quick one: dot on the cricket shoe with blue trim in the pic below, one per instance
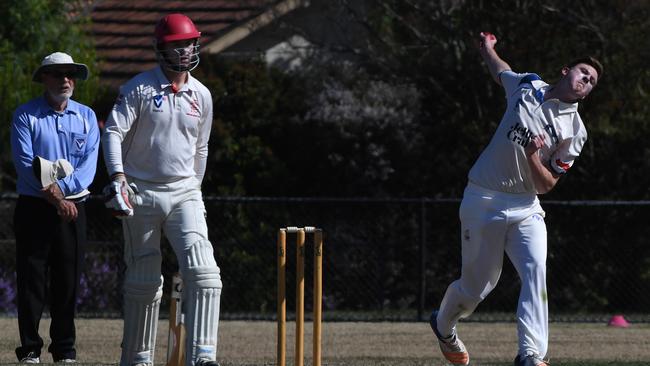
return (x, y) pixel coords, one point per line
(530, 360)
(452, 347)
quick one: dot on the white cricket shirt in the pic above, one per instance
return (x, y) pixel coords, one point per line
(156, 135)
(503, 166)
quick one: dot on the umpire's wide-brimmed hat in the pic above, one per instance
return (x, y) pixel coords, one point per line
(48, 172)
(58, 59)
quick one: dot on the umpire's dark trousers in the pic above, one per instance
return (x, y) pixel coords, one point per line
(48, 251)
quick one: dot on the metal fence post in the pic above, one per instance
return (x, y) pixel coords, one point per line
(423, 262)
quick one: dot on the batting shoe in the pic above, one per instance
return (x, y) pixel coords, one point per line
(452, 347)
(530, 360)
(206, 362)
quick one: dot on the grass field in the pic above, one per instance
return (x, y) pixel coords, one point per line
(357, 344)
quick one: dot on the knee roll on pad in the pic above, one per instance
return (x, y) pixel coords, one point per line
(142, 277)
(200, 270)
(199, 254)
(143, 292)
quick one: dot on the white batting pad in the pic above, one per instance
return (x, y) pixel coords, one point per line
(141, 306)
(203, 324)
(202, 294)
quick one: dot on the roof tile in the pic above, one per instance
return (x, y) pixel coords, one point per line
(123, 30)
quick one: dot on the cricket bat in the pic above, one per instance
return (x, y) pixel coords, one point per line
(176, 340)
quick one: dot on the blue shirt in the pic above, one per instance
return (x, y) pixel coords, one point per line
(73, 135)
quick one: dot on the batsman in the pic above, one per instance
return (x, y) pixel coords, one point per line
(155, 147)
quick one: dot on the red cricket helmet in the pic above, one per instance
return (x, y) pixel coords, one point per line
(176, 27)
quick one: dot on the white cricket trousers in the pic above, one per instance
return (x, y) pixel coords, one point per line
(493, 223)
(177, 210)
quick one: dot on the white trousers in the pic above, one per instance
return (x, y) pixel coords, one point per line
(177, 210)
(493, 223)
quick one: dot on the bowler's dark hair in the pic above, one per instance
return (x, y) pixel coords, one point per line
(589, 60)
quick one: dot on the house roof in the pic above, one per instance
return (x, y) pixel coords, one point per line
(123, 30)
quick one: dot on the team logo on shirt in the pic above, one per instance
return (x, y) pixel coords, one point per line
(80, 142)
(519, 134)
(157, 100)
(194, 109)
(522, 135)
(157, 103)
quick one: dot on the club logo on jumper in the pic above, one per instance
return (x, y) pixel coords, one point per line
(194, 109)
(80, 142)
(519, 134)
(158, 101)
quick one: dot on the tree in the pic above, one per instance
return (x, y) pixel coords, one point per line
(433, 46)
(32, 29)
(404, 105)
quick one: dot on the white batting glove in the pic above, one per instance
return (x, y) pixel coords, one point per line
(116, 198)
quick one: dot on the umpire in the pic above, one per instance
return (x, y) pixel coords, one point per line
(54, 143)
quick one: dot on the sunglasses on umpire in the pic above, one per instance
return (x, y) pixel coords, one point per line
(59, 74)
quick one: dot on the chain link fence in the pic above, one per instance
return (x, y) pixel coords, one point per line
(384, 259)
